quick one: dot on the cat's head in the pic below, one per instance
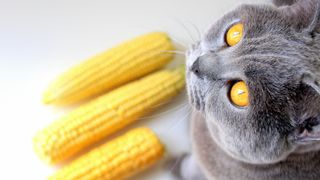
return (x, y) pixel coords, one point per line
(278, 59)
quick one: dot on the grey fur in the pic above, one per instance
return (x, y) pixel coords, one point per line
(283, 2)
(277, 135)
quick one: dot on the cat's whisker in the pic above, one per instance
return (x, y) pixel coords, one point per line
(179, 43)
(177, 162)
(175, 123)
(178, 52)
(163, 103)
(175, 52)
(178, 108)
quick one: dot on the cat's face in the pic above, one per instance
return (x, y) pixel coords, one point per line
(272, 58)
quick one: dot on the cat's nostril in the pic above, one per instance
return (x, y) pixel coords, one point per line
(195, 67)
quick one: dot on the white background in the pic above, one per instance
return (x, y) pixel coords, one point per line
(40, 39)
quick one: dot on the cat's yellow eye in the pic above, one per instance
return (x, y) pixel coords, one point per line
(239, 94)
(234, 34)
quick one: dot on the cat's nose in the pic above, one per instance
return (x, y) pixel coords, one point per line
(195, 68)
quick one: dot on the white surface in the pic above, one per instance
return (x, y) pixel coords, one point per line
(40, 39)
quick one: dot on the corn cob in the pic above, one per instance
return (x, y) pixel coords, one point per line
(118, 159)
(105, 115)
(110, 69)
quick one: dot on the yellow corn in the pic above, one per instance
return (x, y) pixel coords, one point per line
(111, 68)
(106, 115)
(118, 159)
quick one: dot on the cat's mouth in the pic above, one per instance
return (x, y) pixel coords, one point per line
(307, 131)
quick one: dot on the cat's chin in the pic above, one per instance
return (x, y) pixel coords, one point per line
(257, 159)
(301, 149)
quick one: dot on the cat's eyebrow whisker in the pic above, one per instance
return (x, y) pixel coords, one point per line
(197, 29)
(186, 30)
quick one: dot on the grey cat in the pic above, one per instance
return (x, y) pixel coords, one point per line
(277, 136)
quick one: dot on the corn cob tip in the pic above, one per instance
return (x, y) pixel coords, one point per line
(47, 97)
(39, 142)
(180, 69)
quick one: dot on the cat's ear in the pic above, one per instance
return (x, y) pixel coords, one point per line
(305, 14)
(308, 129)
